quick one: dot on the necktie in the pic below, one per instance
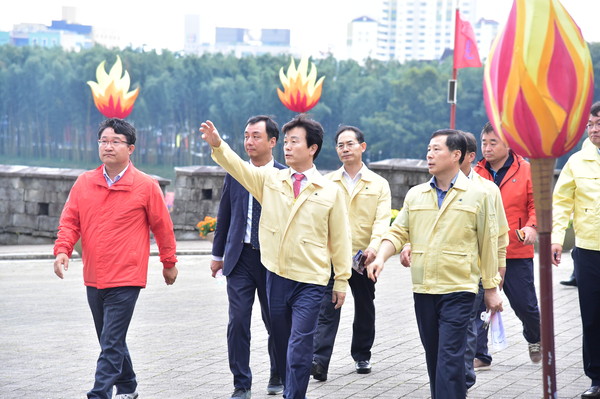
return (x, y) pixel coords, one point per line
(297, 183)
(254, 227)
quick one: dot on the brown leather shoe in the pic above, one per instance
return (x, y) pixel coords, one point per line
(535, 352)
(480, 365)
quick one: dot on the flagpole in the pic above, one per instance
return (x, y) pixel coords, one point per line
(454, 74)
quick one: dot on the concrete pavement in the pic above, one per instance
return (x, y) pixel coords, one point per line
(177, 339)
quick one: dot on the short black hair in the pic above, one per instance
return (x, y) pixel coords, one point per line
(270, 124)
(314, 131)
(360, 137)
(595, 111)
(487, 128)
(120, 126)
(454, 141)
(471, 141)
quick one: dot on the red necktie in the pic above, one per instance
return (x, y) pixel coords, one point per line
(297, 183)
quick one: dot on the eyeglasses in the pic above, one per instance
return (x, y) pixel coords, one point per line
(114, 143)
(592, 125)
(347, 145)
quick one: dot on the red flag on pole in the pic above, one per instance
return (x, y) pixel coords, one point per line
(465, 45)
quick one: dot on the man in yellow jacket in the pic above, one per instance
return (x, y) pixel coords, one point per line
(303, 232)
(577, 193)
(451, 224)
(369, 207)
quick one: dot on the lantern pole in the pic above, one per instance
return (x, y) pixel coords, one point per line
(452, 83)
(542, 174)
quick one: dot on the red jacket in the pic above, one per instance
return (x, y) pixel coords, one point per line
(114, 224)
(516, 189)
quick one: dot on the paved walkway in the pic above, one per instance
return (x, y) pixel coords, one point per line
(48, 346)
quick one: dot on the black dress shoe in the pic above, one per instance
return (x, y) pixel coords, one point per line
(275, 386)
(363, 367)
(571, 282)
(593, 392)
(318, 372)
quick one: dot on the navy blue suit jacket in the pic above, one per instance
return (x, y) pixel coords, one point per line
(231, 222)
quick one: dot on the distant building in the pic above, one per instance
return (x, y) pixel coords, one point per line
(106, 37)
(239, 41)
(193, 39)
(275, 37)
(419, 29)
(362, 38)
(65, 33)
(486, 31)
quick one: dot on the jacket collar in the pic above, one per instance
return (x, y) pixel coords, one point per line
(366, 174)
(314, 177)
(590, 153)
(124, 183)
(461, 183)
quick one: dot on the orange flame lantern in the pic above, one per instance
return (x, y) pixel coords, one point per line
(538, 81)
(110, 93)
(538, 89)
(302, 91)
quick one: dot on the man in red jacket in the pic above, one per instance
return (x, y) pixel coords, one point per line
(113, 208)
(512, 174)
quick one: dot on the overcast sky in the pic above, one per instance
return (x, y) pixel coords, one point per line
(317, 25)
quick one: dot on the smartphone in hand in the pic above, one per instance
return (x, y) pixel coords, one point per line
(358, 262)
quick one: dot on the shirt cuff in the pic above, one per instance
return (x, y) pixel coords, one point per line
(340, 286)
(491, 282)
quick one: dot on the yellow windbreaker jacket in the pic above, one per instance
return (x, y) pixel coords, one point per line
(449, 242)
(577, 192)
(369, 207)
(300, 238)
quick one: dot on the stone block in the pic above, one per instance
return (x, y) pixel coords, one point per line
(29, 239)
(48, 224)
(9, 193)
(21, 220)
(31, 208)
(55, 208)
(8, 239)
(38, 195)
(16, 207)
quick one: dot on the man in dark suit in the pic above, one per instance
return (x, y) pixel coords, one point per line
(236, 251)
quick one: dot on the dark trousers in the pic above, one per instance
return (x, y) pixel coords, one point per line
(248, 278)
(471, 347)
(443, 321)
(112, 309)
(520, 290)
(294, 309)
(587, 272)
(363, 327)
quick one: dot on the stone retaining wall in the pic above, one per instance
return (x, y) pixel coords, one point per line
(31, 200)
(197, 194)
(401, 174)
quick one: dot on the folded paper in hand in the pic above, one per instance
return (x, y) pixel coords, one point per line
(498, 337)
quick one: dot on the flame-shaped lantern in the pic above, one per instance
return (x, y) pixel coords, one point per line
(110, 93)
(302, 90)
(538, 80)
(538, 88)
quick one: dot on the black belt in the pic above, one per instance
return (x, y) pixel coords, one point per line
(250, 246)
